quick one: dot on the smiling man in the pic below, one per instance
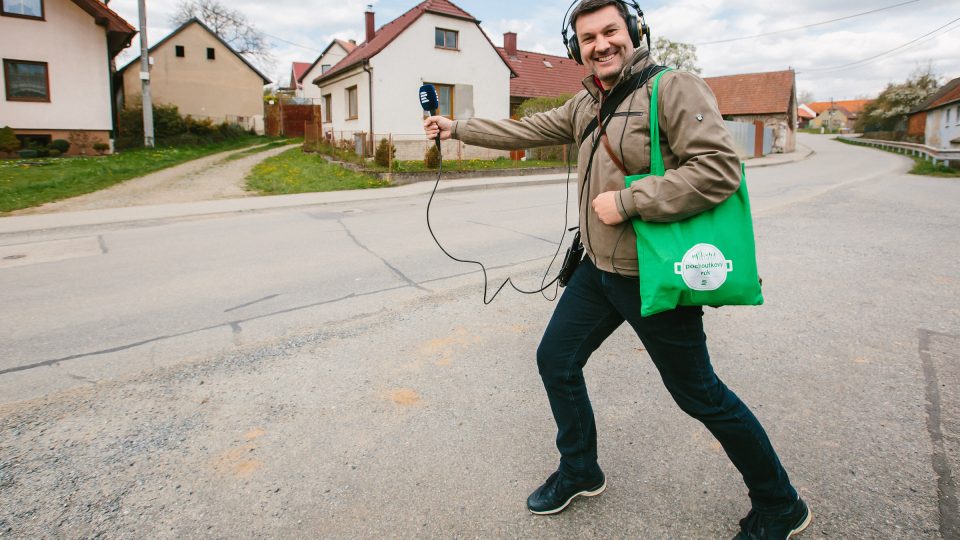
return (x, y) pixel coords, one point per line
(703, 170)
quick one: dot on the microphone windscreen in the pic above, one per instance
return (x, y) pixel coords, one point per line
(428, 98)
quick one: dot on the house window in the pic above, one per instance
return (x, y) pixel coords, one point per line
(445, 96)
(180, 53)
(948, 118)
(211, 54)
(352, 113)
(324, 68)
(327, 108)
(446, 39)
(26, 81)
(31, 9)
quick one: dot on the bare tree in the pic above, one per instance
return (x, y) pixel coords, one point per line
(676, 54)
(806, 97)
(231, 25)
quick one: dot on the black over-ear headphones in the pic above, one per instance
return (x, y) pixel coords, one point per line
(636, 27)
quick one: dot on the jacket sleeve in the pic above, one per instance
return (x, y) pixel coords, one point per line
(708, 170)
(541, 129)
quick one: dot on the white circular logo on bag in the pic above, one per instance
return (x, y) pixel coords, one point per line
(703, 268)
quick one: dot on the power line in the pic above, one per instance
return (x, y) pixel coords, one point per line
(874, 57)
(806, 25)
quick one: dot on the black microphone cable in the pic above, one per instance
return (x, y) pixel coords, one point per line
(483, 268)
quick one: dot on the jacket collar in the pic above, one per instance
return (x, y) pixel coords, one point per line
(639, 60)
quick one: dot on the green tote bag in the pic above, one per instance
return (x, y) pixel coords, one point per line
(705, 260)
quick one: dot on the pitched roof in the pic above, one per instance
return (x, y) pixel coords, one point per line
(119, 32)
(348, 46)
(212, 33)
(803, 111)
(543, 75)
(297, 72)
(753, 93)
(388, 32)
(947, 94)
(852, 106)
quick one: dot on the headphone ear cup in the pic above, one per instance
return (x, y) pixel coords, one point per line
(573, 50)
(635, 33)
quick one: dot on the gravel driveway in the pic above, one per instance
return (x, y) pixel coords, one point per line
(209, 178)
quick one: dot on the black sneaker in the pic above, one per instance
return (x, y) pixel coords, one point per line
(757, 526)
(557, 492)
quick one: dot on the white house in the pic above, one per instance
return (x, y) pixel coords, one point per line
(943, 117)
(374, 89)
(57, 69)
(336, 51)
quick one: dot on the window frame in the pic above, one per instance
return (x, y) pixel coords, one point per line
(42, 17)
(453, 99)
(356, 102)
(327, 108)
(6, 80)
(446, 32)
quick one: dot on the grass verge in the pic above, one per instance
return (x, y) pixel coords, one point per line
(27, 183)
(257, 149)
(921, 166)
(296, 172)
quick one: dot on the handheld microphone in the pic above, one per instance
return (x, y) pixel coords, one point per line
(430, 103)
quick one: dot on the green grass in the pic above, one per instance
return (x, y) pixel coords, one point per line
(920, 165)
(466, 165)
(269, 146)
(296, 172)
(24, 184)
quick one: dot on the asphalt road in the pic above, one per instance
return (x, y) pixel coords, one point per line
(324, 371)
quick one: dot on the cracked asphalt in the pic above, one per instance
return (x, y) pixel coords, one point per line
(323, 371)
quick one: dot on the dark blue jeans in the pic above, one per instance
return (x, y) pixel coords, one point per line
(593, 305)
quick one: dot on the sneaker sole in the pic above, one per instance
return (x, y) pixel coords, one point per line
(802, 526)
(587, 493)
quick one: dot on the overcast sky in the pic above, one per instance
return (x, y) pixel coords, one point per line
(299, 30)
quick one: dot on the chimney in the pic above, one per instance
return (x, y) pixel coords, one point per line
(371, 28)
(510, 43)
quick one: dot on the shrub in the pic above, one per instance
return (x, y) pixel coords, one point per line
(101, 147)
(53, 152)
(9, 143)
(27, 153)
(385, 153)
(432, 158)
(82, 140)
(60, 145)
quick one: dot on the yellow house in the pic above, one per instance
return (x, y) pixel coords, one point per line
(204, 77)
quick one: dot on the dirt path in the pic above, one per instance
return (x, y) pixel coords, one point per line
(209, 178)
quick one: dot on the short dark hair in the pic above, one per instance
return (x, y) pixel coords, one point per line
(589, 6)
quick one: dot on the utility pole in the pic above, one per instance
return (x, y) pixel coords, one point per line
(145, 78)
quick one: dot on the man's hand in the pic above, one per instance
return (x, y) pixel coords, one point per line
(605, 205)
(438, 124)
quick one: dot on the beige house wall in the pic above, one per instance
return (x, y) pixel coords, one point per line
(75, 50)
(222, 89)
(335, 54)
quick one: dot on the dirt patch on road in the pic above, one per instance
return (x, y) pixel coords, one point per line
(209, 178)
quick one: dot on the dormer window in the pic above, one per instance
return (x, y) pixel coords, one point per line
(446, 39)
(30, 9)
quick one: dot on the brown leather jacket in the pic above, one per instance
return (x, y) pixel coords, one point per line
(703, 168)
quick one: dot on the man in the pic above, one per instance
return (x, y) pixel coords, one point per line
(702, 171)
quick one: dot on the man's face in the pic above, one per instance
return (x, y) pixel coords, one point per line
(604, 43)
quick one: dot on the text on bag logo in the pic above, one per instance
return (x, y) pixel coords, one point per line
(703, 268)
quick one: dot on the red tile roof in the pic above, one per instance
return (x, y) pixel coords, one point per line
(297, 72)
(119, 31)
(853, 106)
(753, 93)
(949, 93)
(536, 79)
(388, 32)
(805, 112)
(348, 46)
